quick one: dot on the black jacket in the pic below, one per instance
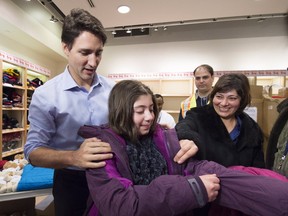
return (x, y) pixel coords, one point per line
(204, 126)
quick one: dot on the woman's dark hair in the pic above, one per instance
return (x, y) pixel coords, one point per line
(237, 81)
(78, 21)
(121, 107)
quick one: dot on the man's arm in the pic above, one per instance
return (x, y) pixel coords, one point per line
(91, 154)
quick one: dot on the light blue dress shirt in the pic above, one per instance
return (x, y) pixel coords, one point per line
(59, 107)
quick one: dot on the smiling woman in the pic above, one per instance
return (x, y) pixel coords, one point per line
(231, 96)
(225, 105)
(221, 130)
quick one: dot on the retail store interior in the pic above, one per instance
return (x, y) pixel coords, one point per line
(157, 42)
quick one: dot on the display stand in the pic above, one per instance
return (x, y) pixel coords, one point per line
(23, 201)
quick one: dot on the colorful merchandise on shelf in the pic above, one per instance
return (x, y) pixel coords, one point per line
(11, 76)
(19, 80)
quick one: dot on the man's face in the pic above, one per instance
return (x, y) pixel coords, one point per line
(203, 80)
(84, 57)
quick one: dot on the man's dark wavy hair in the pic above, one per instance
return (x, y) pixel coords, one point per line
(80, 20)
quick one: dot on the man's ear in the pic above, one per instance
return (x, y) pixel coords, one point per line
(65, 49)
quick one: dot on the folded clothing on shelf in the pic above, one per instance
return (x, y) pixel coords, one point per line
(34, 83)
(9, 122)
(12, 76)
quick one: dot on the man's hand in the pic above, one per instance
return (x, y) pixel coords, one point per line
(92, 154)
(212, 185)
(188, 149)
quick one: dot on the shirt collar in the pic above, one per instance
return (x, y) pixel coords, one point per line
(197, 95)
(70, 82)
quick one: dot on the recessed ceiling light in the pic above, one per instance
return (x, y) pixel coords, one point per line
(123, 9)
(53, 19)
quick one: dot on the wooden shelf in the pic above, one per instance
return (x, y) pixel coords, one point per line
(12, 152)
(13, 130)
(13, 108)
(12, 86)
(18, 113)
(174, 91)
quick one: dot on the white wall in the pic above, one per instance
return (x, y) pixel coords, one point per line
(20, 51)
(225, 46)
(229, 54)
(13, 22)
(237, 45)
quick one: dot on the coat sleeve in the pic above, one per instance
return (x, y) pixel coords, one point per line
(187, 128)
(165, 195)
(251, 194)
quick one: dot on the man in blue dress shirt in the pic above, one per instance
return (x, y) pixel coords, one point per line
(58, 108)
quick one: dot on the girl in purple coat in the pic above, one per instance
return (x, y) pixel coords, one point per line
(143, 179)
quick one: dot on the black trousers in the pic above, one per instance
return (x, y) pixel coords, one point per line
(70, 192)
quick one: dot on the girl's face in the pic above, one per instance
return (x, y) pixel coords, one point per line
(143, 114)
(226, 104)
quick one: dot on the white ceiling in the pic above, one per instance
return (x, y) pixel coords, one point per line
(142, 12)
(160, 11)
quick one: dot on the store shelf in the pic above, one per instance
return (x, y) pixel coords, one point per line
(13, 130)
(12, 152)
(174, 91)
(15, 92)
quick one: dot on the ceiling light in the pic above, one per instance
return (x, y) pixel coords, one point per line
(113, 32)
(123, 9)
(128, 31)
(53, 19)
(164, 28)
(155, 29)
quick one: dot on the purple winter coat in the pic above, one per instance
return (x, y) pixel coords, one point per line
(113, 192)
